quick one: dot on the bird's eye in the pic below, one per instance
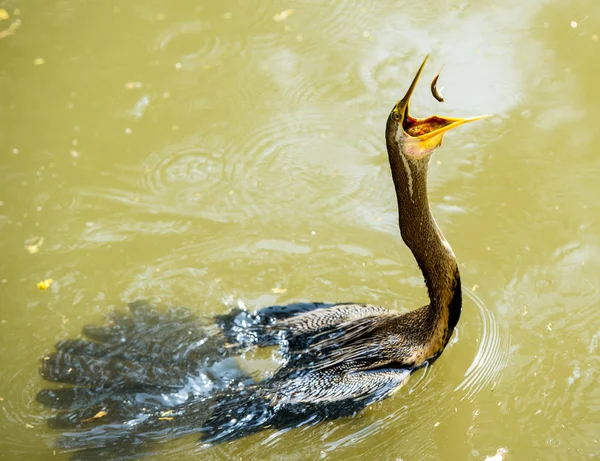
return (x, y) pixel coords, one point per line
(396, 116)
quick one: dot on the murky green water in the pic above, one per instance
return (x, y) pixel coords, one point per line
(209, 154)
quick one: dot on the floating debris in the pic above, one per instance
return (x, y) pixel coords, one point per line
(277, 290)
(33, 244)
(10, 29)
(45, 284)
(140, 107)
(574, 24)
(133, 85)
(100, 414)
(38, 61)
(283, 15)
(474, 289)
(501, 454)
(3, 14)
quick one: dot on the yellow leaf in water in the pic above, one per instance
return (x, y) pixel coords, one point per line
(100, 414)
(283, 15)
(44, 284)
(3, 14)
(165, 419)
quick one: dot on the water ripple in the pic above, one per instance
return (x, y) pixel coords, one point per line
(492, 354)
(193, 167)
(194, 44)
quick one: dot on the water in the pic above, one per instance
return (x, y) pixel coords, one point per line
(212, 155)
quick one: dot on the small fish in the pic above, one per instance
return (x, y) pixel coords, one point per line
(434, 91)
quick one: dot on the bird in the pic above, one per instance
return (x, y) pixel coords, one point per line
(338, 357)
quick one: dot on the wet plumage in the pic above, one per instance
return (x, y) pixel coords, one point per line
(151, 374)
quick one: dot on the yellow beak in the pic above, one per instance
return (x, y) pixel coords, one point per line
(421, 136)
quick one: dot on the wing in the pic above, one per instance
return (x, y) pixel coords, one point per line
(334, 385)
(289, 400)
(324, 318)
(274, 325)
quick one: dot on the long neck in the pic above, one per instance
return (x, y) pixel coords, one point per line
(427, 243)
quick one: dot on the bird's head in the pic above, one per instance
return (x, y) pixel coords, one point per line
(416, 138)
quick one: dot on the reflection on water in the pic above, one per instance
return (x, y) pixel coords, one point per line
(232, 154)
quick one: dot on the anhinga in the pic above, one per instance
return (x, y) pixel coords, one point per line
(339, 357)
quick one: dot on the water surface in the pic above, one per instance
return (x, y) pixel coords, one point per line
(213, 155)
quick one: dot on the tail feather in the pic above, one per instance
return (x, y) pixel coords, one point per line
(142, 377)
(116, 423)
(139, 349)
(70, 398)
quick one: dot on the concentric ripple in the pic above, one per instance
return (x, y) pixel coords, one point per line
(343, 22)
(193, 167)
(194, 44)
(492, 354)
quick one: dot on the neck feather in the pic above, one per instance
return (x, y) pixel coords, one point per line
(427, 243)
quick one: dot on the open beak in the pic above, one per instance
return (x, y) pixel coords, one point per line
(422, 135)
